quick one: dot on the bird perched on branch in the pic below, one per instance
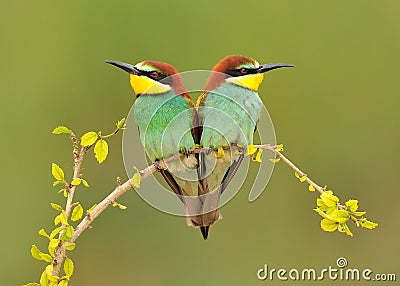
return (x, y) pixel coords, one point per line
(166, 118)
(229, 110)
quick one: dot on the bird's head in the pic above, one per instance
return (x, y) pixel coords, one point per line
(150, 77)
(241, 71)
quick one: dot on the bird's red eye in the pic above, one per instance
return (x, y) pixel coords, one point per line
(154, 74)
(243, 71)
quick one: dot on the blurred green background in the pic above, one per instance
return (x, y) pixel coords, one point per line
(336, 113)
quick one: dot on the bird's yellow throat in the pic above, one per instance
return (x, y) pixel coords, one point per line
(251, 81)
(143, 84)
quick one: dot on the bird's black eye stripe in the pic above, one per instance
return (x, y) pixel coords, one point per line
(155, 75)
(241, 71)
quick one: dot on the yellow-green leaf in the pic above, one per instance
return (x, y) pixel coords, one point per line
(68, 267)
(276, 160)
(136, 180)
(279, 148)
(121, 124)
(66, 236)
(56, 231)
(359, 213)
(251, 149)
(46, 257)
(352, 205)
(101, 150)
(32, 284)
(70, 246)
(49, 272)
(92, 208)
(89, 138)
(76, 181)
(77, 213)
(55, 183)
(43, 279)
(258, 156)
(61, 130)
(42, 232)
(53, 244)
(311, 188)
(329, 225)
(221, 152)
(36, 253)
(341, 216)
(344, 228)
(56, 207)
(85, 183)
(303, 179)
(57, 172)
(61, 218)
(368, 224)
(329, 199)
(121, 207)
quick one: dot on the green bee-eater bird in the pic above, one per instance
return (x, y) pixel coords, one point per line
(229, 110)
(166, 118)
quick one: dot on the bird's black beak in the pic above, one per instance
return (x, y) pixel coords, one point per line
(126, 67)
(270, 67)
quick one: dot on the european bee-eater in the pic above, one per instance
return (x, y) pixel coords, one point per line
(166, 117)
(229, 110)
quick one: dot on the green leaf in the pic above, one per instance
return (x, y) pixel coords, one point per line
(76, 181)
(329, 199)
(77, 213)
(367, 224)
(101, 150)
(340, 216)
(344, 228)
(329, 225)
(61, 130)
(42, 232)
(121, 123)
(64, 191)
(53, 244)
(68, 267)
(279, 148)
(136, 180)
(85, 183)
(359, 213)
(57, 172)
(43, 279)
(251, 149)
(70, 246)
(55, 183)
(352, 205)
(49, 272)
(258, 156)
(61, 218)
(46, 257)
(36, 253)
(56, 207)
(121, 207)
(91, 208)
(56, 231)
(66, 236)
(89, 138)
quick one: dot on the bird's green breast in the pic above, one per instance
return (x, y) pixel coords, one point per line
(165, 122)
(230, 114)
